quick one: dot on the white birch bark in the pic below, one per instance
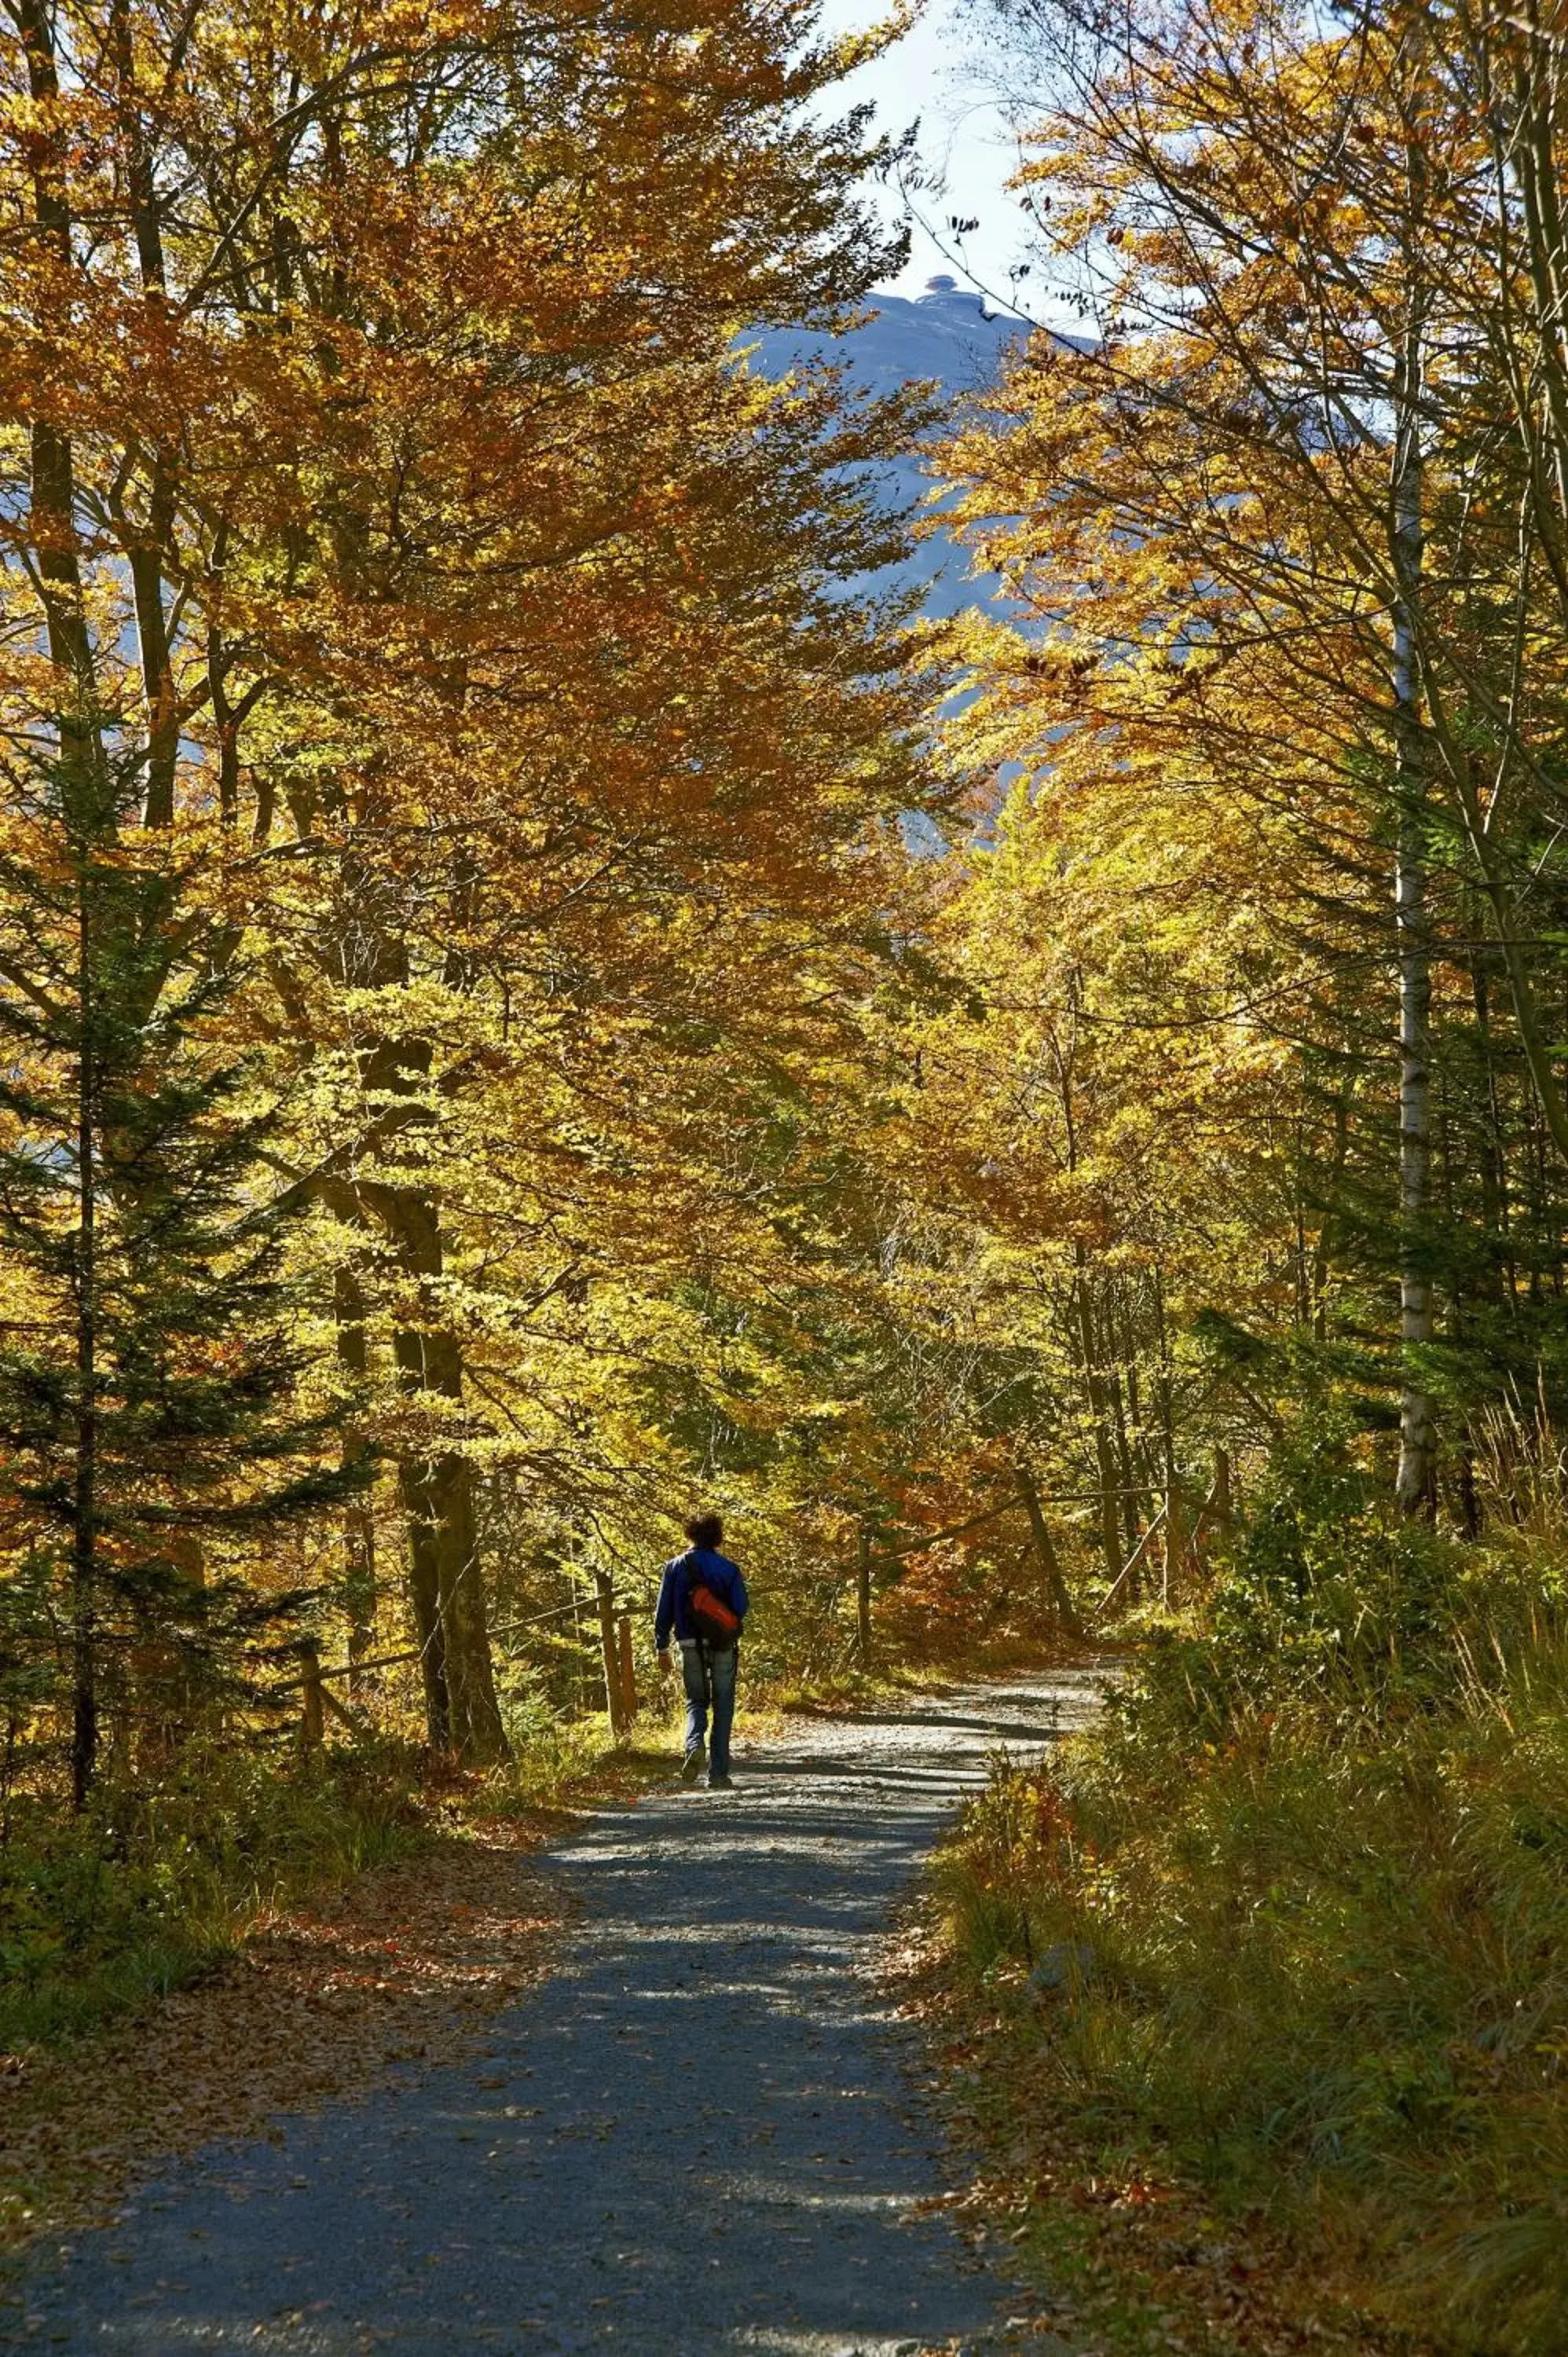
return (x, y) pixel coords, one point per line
(1416, 1485)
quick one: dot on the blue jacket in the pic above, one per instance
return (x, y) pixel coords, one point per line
(716, 1572)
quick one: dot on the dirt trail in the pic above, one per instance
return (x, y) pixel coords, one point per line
(701, 2136)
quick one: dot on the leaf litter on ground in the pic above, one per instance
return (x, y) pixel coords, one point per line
(406, 1962)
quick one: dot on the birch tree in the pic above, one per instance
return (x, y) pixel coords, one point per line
(1266, 543)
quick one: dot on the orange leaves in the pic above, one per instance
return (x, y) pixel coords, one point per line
(543, 785)
(317, 2001)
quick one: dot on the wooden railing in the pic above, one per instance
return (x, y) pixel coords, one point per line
(315, 1679)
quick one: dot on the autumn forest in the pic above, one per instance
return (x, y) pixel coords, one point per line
(538, 991)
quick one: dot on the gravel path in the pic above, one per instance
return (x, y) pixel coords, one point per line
(701, 2136)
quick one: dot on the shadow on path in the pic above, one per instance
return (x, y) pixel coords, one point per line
(699, 2136)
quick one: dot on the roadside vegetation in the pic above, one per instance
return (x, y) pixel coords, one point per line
(1271, 956)
(1291, 1926)
(161, 1882)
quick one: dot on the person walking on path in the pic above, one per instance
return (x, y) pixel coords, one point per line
(702, 1602)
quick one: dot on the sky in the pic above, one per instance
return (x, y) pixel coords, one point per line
(934, 74)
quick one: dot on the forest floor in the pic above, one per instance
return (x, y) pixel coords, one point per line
(402, 1962)
(648, 2092)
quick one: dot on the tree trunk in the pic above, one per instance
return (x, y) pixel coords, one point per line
(1221, 1510)
(421, 1510)
(439, 1494)
(1165, 1385)
(146, 546)
(1046, 1553)
(627, 1663)
(1416, 1484)
(84, 1535)
(1175, 1557)
(1126, 1472)
(1083, 1319)
(359, 1514)
(435, 1485)
(52, 525)
(609, 1653)
(52, 493)
(1104, 1452)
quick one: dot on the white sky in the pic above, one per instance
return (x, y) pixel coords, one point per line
(934, 73)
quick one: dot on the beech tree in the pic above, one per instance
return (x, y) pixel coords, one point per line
(1275, 581)
(384, 448)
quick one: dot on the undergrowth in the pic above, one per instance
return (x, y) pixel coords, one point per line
(1295, 1916)
(159, 1880)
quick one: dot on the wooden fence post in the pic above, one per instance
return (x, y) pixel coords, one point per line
(627, 1667)
(1224, 1513)
(613, 1702)
(863, 1599)
(312, 1725)
(1175, 1540)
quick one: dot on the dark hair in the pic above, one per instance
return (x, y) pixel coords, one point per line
(705, 1530)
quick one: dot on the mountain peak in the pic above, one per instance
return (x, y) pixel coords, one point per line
(943, 335)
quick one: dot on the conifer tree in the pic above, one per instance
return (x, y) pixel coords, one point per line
(150, 1360)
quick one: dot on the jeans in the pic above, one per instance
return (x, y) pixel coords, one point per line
(709, 1681)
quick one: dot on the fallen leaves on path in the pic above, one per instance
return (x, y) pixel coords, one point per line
(406, 1962)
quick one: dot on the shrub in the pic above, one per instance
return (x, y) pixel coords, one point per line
(157, 1880)
(1319, 1857)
